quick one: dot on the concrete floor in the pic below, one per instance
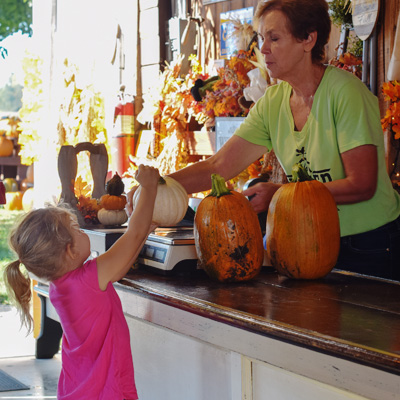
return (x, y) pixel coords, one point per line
(17, 358)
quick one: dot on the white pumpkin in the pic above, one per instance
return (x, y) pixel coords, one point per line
(171, 202)
(112, 217)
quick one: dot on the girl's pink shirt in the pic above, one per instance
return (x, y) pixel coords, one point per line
(96, 353)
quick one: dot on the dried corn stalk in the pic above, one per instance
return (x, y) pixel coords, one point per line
(174, 154)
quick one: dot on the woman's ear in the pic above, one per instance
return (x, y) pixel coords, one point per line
(309, 43)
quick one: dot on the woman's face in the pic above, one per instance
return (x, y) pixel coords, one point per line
(283, 53)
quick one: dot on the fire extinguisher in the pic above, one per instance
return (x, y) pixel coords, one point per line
(123, 138)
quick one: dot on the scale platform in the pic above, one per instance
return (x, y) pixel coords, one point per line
(168, 250)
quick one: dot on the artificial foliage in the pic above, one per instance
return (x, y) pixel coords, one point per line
(349, 62)
(87, 206)
(81, 116)
(31, 112)
(169, 108)
(223, 99)
(391, 124)
(391, 120)
(82, 111)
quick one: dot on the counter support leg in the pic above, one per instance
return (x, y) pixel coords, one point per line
(48, 341)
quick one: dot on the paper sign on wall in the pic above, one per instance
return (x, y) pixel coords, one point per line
(229, 43)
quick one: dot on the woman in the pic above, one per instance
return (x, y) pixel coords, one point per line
(325, 118)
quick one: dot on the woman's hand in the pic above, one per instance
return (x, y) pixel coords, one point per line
(260, 195)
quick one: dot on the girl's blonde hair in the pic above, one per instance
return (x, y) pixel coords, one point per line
(40, 241)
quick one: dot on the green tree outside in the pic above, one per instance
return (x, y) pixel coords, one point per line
(15, 16)
(11, 96)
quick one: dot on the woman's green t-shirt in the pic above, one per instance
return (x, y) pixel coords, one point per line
(344, 115)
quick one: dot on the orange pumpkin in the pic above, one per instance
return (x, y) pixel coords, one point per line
(111, 202)
(227, 235)
(302, 230)
(6, 147)
(14, 201)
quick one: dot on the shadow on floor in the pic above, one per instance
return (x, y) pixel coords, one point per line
(17, 358)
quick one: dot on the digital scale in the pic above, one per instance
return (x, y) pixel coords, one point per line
(167, 250)
(170, 249)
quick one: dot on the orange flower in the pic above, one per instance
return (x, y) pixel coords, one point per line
(350, 59)
(391, 120)
(391, 91)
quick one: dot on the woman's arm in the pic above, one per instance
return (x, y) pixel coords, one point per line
(236, 155)
(116, 262)
(361, 169)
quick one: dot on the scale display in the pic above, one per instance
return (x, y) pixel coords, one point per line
(169, 248)
(154, 253)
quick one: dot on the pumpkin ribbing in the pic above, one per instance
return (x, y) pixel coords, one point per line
(171, 202)
(227, 235)
(302, 231)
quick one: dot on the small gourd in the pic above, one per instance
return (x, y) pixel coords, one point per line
(302, 230)
(114, 199)
(112, 204)
(6, 147)
(112, 217)
(227, 235)
(115, 186)
(171, 202)
(13, 201)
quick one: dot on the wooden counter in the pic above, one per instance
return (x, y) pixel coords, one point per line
(272, 338)
(334, 338)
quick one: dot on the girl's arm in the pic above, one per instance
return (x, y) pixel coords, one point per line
(116, 262)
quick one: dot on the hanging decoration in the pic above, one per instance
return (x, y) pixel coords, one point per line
(394, 64)
(391, 124)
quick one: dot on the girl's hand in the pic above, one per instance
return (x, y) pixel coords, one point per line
(129, 197)
(147, 176)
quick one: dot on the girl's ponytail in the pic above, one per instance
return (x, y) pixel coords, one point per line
(19, 285)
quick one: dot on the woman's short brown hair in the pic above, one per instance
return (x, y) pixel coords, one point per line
(304, 16)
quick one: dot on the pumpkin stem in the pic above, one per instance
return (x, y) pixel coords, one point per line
(300, 174)
(219, 187)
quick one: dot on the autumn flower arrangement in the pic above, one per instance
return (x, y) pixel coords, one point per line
(170, 107)
(391, 122)
(349, 62)
(223, 99)
(86, 205)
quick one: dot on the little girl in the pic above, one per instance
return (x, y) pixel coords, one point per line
(96, 354)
